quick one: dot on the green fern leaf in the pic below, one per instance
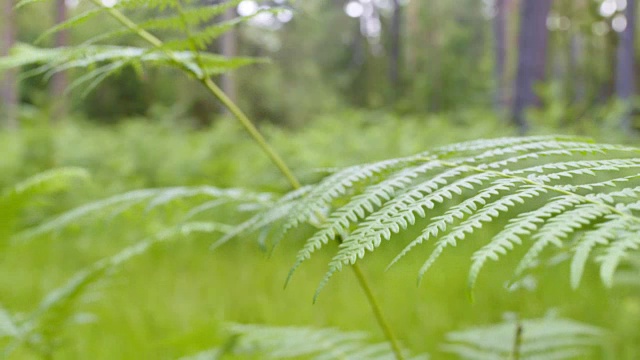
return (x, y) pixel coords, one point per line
(560, 191)
(156, 197)
(54, 310)
(289, 342)
(545, 338)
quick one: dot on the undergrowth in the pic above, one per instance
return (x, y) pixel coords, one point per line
(542, 199)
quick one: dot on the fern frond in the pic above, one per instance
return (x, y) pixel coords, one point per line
(521, 226)
(187, 29)
(45, 182)
(560, 191)
(8, 327)
(485, 214)
(560, 228)
(274, 213)
(319, 198)
(69, 23)
(280, 342)
(191, 17)
(17, 197)
(626, 240)
(57, 307)
(155, 197)
(110, 58)
(545, 338)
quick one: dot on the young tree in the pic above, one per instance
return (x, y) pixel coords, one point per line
(8, 83)
(532, 54)
(625, 73)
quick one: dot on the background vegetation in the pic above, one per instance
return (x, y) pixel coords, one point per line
(347, 82)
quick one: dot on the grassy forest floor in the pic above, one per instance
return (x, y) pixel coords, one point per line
(173, 301)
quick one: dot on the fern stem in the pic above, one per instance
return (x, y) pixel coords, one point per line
(252, 130)
(214, 90)
(124, 20)
(375, 307)
(205, 80)
(517, 342)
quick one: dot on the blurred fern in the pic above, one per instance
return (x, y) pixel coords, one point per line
(41, 330)
(565, 193)
(549, 338)
(14, 199)
(554, 192)
(203, 198)
(280, 342)
(187, 28)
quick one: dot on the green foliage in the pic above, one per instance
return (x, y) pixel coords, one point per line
(536, 192)
(138, 155)
(14, 199)
(549, 338)
(188, 32)
(208, 198)
(108, 60)
(551, 192)
(41, 330)
(278, 342)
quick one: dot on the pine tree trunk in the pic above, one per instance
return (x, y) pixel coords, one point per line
(625, 74)
(394, 56)
(59, 81)
(500, 48)
(532, 54)
(229, 48)
(8, 81)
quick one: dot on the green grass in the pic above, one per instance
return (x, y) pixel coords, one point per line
(175, 300)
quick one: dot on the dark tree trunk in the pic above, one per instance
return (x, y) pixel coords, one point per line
(413, 33)
(500, 48)
(59, 81)
(229, 48)
(532, 54)
(625, 75)
(394, 58)
(8, 81)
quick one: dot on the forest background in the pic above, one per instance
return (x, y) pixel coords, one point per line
(339, 82)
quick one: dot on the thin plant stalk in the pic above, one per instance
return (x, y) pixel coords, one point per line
(517, 342)
(268, 150)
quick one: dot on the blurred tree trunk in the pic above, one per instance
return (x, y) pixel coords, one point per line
(8, 81)
(413, 32)
(625, 73)
(500, 47)
(229, 48)
(59, 80)
(532, 54)
(394, 56)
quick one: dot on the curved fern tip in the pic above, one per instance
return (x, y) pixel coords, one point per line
(289, 276)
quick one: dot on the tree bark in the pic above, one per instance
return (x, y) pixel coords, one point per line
(395, 46)
(500, 48)
(532, 54)
(625, 74)
(413, 33)
(8, 80)
(59, 81)
(229, 48)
